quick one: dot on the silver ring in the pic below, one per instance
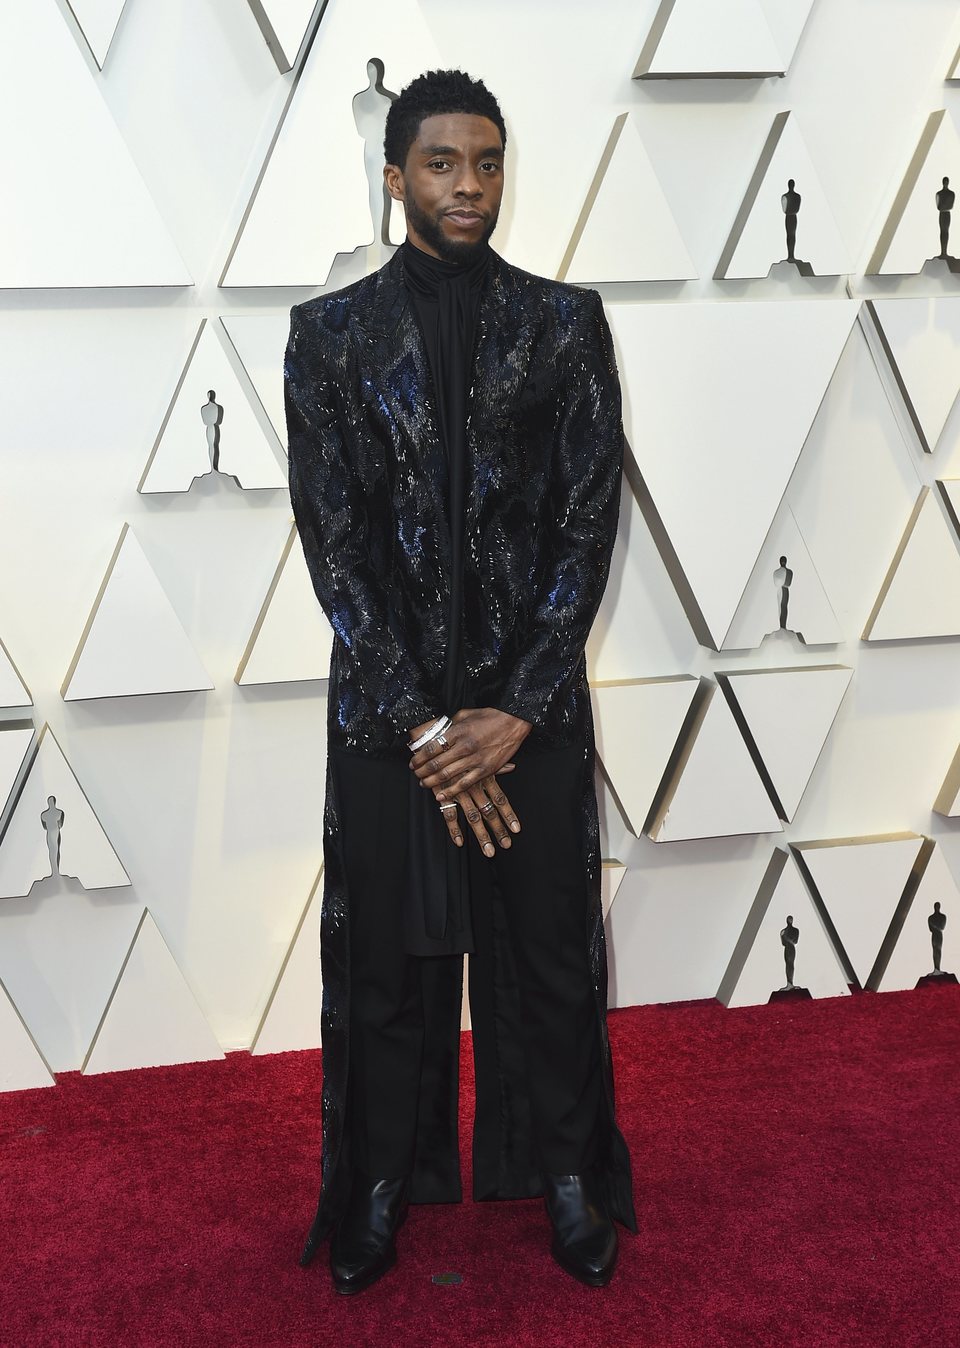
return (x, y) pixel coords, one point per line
(442, 741)
(448, 805)
(485, 809)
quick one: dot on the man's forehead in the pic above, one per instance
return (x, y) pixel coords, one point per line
(452, 130)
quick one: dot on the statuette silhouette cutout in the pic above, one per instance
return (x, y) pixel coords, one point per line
(790, 203)
(789, 939)
(211, 414)
(790, 936)
(52, 820)
(946, 197)
(783, 577)
(937, 924)
(370, 108)
(783, 580)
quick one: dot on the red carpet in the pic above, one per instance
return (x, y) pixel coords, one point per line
(795, 1176)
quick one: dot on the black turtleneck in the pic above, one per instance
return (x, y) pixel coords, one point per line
(446, 300)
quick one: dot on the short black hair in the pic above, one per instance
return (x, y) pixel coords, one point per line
(433, 92)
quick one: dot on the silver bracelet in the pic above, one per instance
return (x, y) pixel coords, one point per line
(438, 727)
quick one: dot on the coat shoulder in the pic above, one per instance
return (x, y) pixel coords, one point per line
(558, 299)
(328, 316)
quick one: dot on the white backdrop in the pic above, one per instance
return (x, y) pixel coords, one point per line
(212, 800)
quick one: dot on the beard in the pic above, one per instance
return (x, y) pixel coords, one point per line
(429, 228)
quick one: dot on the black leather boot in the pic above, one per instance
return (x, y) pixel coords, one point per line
(362, 1248)
(584, 1237)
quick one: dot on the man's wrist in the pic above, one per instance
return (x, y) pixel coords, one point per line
(433, 730)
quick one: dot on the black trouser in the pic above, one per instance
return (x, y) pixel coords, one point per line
(543, 882)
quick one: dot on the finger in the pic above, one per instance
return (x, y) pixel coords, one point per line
(499, 798)
(451, 817)
(453, 777)
(490, 813)
(475, 820)
(424, 757)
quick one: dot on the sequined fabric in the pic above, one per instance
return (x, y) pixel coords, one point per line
(367, 477)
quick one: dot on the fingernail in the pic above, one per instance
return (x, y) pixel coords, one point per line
(504, 842)
(488, 849)
(440, 795)
(515, 826)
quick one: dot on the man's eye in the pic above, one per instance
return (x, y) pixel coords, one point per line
(491, 164)
(438, 163)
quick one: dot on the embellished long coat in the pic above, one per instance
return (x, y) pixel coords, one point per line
(367, 477)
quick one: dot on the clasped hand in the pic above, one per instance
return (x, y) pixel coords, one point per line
(479, 745)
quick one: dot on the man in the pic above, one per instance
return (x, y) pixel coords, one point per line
(455, 443)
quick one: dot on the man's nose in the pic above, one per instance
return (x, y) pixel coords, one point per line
(468, 184)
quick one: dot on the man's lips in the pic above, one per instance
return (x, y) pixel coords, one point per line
(465, 217)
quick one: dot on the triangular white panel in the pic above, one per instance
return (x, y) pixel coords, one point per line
(59, 957)
(921, 337)
(920, 596)
(788, 714)
(259, 341)
(30, 842)
(133, 642)
(758, 240)
(291, 639)
(757, 967)
(783, 597)
(626, 230)
(912, 956)
(911, 235)
(16, 737)
(860, 882)
(640, 627)
(210, 403)
(290, 234)
(954, 72)
(291, 1019)
(13, 691)
(152, 1018)
(715, 790)
(690, 38)
(76, 211)
(947, 802)
(611, 877)
(638, 723)
(22, 1065)
(716, 465)
(98, 21)
(284, 24)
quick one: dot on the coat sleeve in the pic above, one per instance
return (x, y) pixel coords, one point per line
(585, 495)
(329, 507)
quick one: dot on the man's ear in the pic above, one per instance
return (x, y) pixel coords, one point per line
(393, 177)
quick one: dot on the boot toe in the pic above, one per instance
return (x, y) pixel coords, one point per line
(355, 1270)
(592, 1260)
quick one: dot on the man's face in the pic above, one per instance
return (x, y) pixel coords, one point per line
(451, 184)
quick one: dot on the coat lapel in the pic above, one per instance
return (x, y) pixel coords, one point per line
(505, 341)
(400, 388)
